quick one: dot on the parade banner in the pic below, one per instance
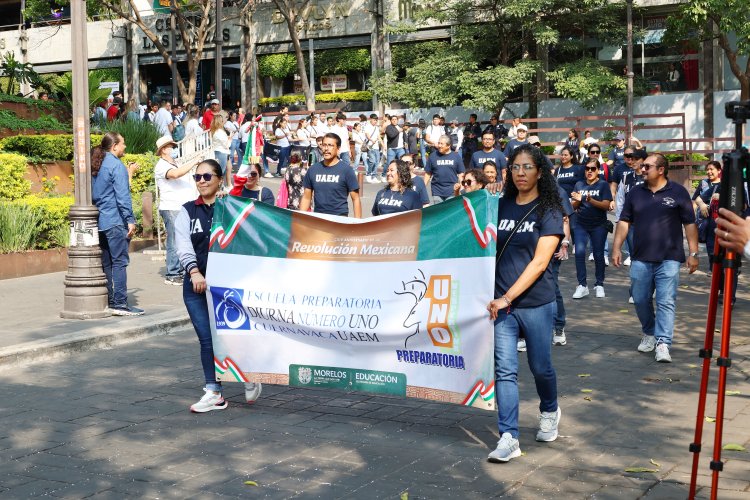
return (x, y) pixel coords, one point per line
(389, 305)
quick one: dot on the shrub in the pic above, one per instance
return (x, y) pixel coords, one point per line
(53, 219)
(45, 147)
(140, 137)
(363, 95)
(37, 103)
(9, 120)
(143, 178)
(18, 227)
(12, 182)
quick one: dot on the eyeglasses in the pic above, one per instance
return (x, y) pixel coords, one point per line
(594, 152)
(646, 166)
(253, 175)
(526, 167)
(467, 182)
(205, 177)
(592, 169)
(629, 156)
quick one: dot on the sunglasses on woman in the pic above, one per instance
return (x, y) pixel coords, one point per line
(594, 152)
(205, 177)
(592, 169)
(467, 182)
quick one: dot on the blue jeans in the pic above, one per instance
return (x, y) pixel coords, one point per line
(423, 152)
(393, 154)
(345, 156)
(173, 262)
(284, 155)
(359, 156)
(115, 260)
(234, 147)
(222, 158)
(536, 325)
(629, 241)
(560, 313)
(598, 236)
(197, 308)
(373, 159)
(664, 277)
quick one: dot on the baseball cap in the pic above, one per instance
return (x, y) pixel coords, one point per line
(620, 136)
(214, 101)
(640, 154)
(522, 127)
(534, 139)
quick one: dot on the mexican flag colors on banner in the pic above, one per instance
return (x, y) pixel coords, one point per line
(390, 305)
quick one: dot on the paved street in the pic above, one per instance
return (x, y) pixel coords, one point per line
(114, 423)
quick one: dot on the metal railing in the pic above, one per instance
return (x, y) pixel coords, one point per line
(194, 148)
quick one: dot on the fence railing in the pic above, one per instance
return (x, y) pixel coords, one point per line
(194, 148)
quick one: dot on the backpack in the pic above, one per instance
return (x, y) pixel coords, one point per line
(178, 133)
(454, 142)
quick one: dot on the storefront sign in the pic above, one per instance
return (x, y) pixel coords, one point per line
(333, 82)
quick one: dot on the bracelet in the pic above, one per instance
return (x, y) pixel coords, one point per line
(507, 301)
(566, 243)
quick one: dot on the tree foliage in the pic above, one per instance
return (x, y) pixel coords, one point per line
(699, 20)
(277, 65)
(16, 72)
(36, 10)
(342, 61)
(587, 82)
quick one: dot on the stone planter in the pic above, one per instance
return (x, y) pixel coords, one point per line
(62, 169)
(33, 262)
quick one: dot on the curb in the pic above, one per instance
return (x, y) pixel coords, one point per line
(101, 337)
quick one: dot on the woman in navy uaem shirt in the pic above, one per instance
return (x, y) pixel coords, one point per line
(529, 230)
(399, 195)
(591, 198)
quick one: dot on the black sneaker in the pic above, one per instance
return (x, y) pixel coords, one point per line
(127, 311)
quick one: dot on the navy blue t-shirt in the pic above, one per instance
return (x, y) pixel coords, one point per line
(567, 178)
(588, 215)
(421, 189)
(631, 179)
(520, 250)
(331, 187)
(618, 172)
(567, 207)
(388, 202)
(264, 195)
(478, 159)
(706, 191)
(617, 155)
(657, 220)
(513, 144)
(444, 170)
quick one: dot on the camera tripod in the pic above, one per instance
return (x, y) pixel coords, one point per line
(731, 197)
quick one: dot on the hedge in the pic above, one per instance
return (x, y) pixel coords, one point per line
(9, 120)
(53, 228)
(37, 103)
(13, 185)
(44, 147)
(143, 178)
(362, 95)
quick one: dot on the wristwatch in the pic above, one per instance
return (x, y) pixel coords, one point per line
(693, 254)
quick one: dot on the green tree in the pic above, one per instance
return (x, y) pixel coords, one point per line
(516, 42)
(700, 20)
(64, 87)
(16, 72)
(588, 82)
(277, 66)
(291, 11)
(343, 61)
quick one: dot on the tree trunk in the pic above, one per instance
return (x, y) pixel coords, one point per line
(301, 70)
(248, 65)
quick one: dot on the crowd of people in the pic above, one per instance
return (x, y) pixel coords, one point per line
(546, 213)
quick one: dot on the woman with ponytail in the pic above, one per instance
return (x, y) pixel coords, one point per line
(111, 195)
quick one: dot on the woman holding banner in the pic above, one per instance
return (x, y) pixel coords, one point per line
(529, 229)
(193, 234)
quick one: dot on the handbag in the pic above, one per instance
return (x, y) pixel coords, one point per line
(702, 224)
(610, 226)
(282, 199)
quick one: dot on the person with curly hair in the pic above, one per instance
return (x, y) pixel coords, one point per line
(530, 227)
(473, 180)
(398, 196)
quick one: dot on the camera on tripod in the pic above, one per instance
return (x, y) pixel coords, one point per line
(736, 162)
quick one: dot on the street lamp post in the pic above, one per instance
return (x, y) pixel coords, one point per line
(85, 283)
(219, 42)
(630, 74)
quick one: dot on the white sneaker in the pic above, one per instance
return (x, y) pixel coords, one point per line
(591, 256)
(558, 338)
(599, 291)
(252, 391)
(662, 353)
(507, 448)
(268, 175)
(210, 401)
(626, 262)
(606, 260)
(648, 343)
(631, 301)
(371, 180)
(581, 292)
(521, 345)
(548, 422)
